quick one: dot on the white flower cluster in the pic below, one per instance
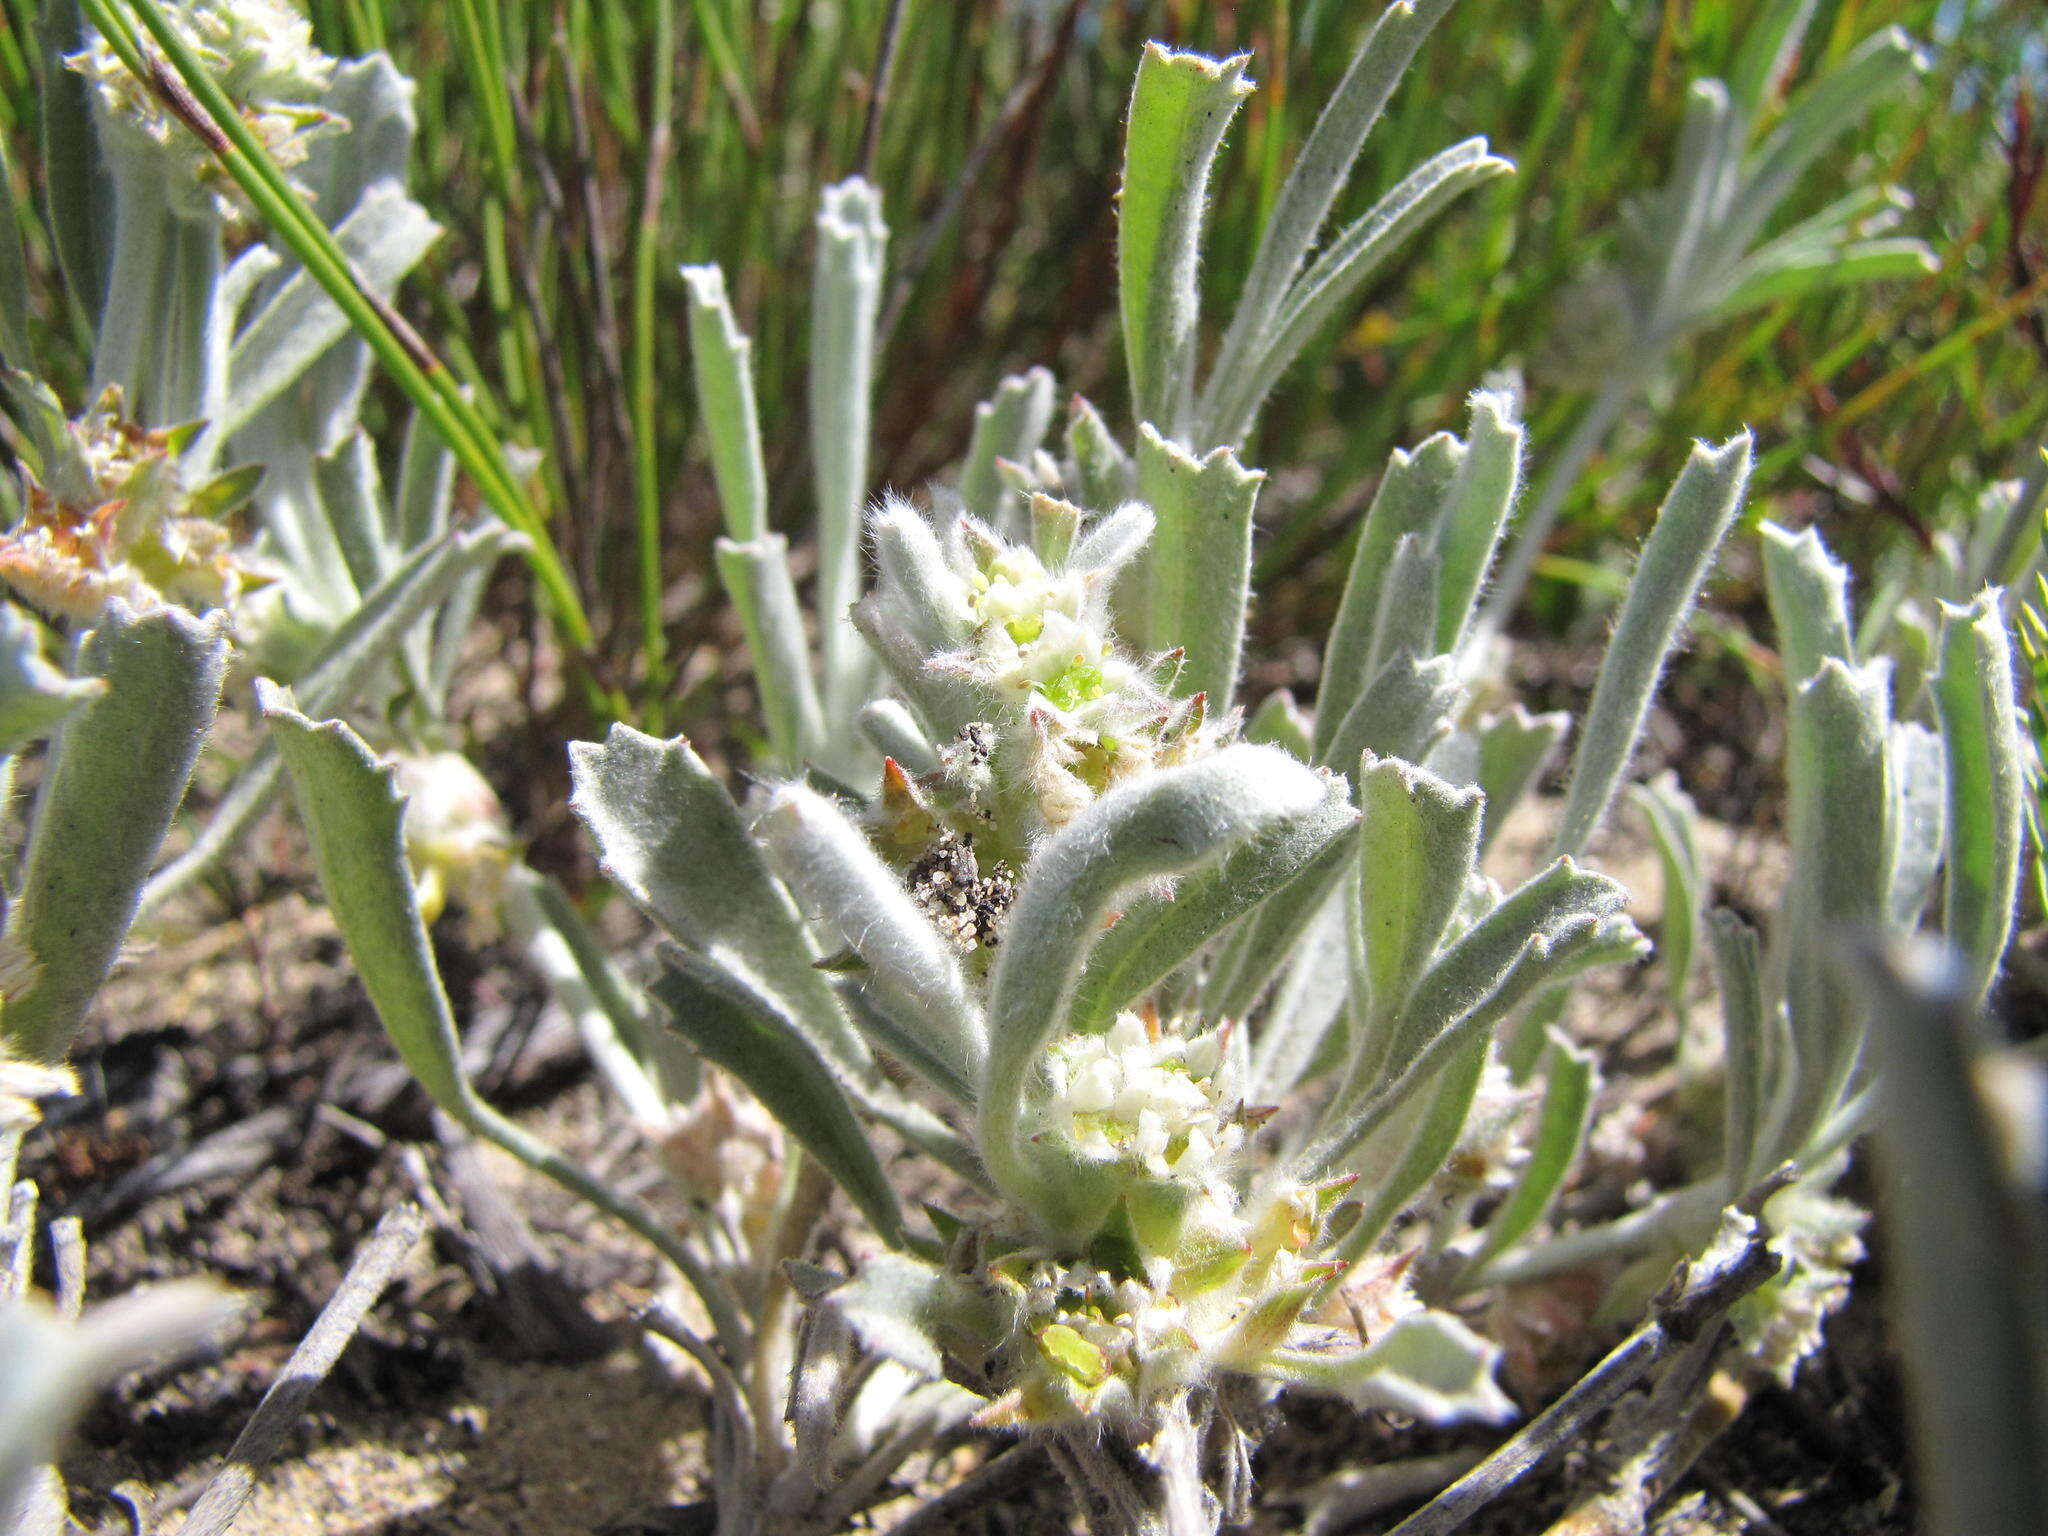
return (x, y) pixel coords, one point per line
(1040, 637)
(261, 53)
(1012, 658)
(1147, 1096)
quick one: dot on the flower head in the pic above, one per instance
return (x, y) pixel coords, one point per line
(109, 515)
(260, 53)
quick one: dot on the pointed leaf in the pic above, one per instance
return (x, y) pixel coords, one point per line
(1180, 107)
(1409, 705)
(383, 236)
(1514, 750)
(1480, 502)
(1964, 1257)
(1689, 528)
(339, 671)
(1010, 426)
(846, 296)
(1674, 827)
(1319, 175)
(1410, 498)
(1100, 474)
(1746, 1031)
(1809, 595)
(1241, 382)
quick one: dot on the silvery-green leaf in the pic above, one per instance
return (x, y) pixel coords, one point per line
(1406, 708)
(375, 101)
(1514, 750)
(114, 781)
(15, 342)
(353, 493)
(1770, 44)
(354, 814)
(1770, 276)
(1100, 474)
(1199, 567)
(1809, 596)
(383, 236)
(1417, 844)
(134, 275)
(1157, 934)
(756, 575)
(1055, 524)
(916, 582)
(1481, 499)
(1260, 945)
(1689, 528)
(891, 1035)
(647, 1066)
(747, 1032)
(1113, 541)
(426, 485)
(1405, 621)
(1818, 115)
(722, 357)
(1009, 426)
(1973, 692)
(672, 838)
(1964, 1258)
(1180, 107)
(80, 191)
(1569, 1081)
(1410, 498)
(1427, 1364)
(1529, 924)
(1555, 925)
(913, 975)
(1688, 210)
(846, 295)
(35, 696)
(1167, 823)
(1842, 852)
